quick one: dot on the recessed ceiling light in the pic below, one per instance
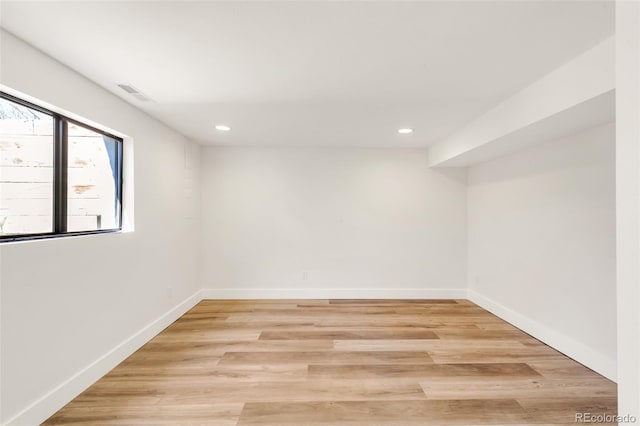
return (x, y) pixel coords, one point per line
(223, 128)
(405, 131)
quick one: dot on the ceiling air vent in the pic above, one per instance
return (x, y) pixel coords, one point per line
(134, 92)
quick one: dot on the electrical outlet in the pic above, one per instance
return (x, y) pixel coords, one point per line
(305, 275)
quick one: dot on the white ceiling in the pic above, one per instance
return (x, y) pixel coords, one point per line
(313, 73)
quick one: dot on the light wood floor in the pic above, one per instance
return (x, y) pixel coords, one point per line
(342, 362)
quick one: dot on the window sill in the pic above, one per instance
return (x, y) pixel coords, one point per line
(43, 237)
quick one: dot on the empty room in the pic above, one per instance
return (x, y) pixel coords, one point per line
(319, 212)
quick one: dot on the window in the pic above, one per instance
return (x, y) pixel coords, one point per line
(93, 176)
(57, 176)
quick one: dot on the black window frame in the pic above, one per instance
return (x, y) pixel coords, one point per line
(60, 174)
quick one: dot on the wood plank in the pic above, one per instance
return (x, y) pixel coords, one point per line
(416, 371)
(553, 410)
(563, 367)
(354, 334)
(168, 373)
(363, 321)
(514, 387)
(211, 414)
(473, 354)
(426, 345)
(514, 333)
(219, 348)
(469, 412)
(206, 335)
(342, 327)
(358, 319)
(201, 390)
(392, 301)
(326, 357)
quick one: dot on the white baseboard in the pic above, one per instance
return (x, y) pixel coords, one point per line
(568, 346)
(333, 293)
(51, 402)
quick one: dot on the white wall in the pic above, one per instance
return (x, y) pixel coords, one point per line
(359, 222)
(66, 303)
(541, 227)
(628, 204)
